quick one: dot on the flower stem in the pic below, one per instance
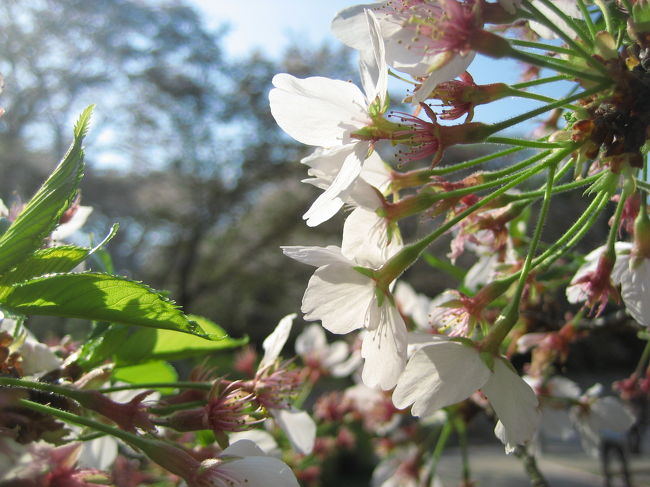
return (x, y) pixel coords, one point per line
(465, 165)
(538, 111)
(530, 465)
(574, 234)
(533, 144)
(609, 25)
(540, 81)
(539, 45)
(584, 36)
(40, 386)
(125, 436)
(406, 257)
(557, 189)
(461, 429)
(645, 355)
(205, 386)
(587, 18)
(445, 432)
(554, 64)
(613, 230)
(509, 318)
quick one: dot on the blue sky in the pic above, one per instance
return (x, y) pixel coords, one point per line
(270, 24)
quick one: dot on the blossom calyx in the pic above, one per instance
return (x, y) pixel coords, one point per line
(461, 96)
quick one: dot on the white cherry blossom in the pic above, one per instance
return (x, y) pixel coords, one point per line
(445, 372)
(325, 113)
(344, 299)
(633, 275)
(426, 48)
(296, 424)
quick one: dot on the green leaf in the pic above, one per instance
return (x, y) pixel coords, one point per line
(444, 266)
(45, 261)
(173, 345)
(104, 341)
(100, 297)
(150, 372)
(42, 213)
(54, 260)
(149, 344)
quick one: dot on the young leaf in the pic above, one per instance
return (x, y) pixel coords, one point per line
(171, 345)
(42, 213)
(148, 372)
(44, 261)
(156, 344)
(54, 260)
(99, 297)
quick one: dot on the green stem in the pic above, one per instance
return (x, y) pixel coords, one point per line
(557, 189)
(540, 81)
(425, 199)
(505, 322)
(90, 436)
(538, 111)
(613, 230)
(609, 25)
(587, 18)
(643, 185)
(531, 468)
(522, 143)
(474, 162)
(401, 261)
(536, 96)
(490, 176)
(574, 234)
(445, 432)
(584, 36)
(304, 394)
(540, 45)
(41, 386)
(129, 438)
(461, 429)
(205, 386)
(554, 64)
(643, 360)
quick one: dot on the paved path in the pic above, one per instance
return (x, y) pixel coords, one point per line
(566, 466)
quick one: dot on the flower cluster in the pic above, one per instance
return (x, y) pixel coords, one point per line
(434, 354)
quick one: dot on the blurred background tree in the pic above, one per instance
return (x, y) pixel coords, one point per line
(184, 153)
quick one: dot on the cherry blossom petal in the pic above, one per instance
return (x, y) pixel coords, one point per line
(337, 352)
(438, 375)
(311, 340)
(262, 439)
(315, 256)
(384, 349)
(450, 66)
(329, 202)
(260, 471)
(365, 239)
(635, 287)
(76, 222)
(338, 296)
(372, 63)
(318, 111)
(569, 7)
(299, 428)
(274, 343)
(515, 404)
